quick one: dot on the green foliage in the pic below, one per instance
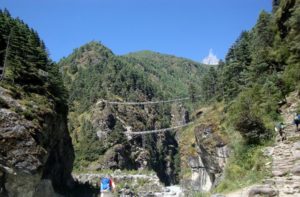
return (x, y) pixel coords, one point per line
(253, 112)
(261, 68)
(257, 55)
(245, 167)
(209, 84)
(25, 57)
(28, 114)
(90, 148)
(117, 136)
(172, 75)
(291, 76)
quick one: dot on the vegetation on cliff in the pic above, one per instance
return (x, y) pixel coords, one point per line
(27, 67)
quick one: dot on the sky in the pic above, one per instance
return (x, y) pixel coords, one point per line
(185, 28)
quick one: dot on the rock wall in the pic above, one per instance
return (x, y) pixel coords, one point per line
(36, 155)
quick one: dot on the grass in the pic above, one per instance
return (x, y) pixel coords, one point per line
(200, 194)
(187, 148)
(245, 167)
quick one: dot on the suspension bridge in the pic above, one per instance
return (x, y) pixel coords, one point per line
(157, 130)
(146, 102)
(134, 103)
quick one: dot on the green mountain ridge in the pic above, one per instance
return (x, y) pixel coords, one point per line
(149, 54)
(165, 71)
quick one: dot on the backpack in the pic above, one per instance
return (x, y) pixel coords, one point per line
(105, 184)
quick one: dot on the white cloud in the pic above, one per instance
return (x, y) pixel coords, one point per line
(211, 59)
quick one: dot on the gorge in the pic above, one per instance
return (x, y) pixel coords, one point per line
(160, 125)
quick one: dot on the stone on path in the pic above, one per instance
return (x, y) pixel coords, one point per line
(296, 170)
(263, 190)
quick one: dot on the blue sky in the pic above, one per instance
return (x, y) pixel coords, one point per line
(185, 28)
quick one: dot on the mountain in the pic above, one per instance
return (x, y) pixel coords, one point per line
(93, 74)
(211, 59)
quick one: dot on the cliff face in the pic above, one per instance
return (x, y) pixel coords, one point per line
(208, 163)
(36, 155)
(208, 166)
(131, 152)
(203, 159)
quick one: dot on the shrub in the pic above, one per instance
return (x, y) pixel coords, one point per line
(28, 114)
(250, 113)
(251, 128)
(245, 167)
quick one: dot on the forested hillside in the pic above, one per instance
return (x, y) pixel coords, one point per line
(93, 73)
(260, 68)
(175, 76)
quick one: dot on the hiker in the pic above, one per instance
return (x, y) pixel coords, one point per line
(297, 121)
(279, 129)
(107, 186)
